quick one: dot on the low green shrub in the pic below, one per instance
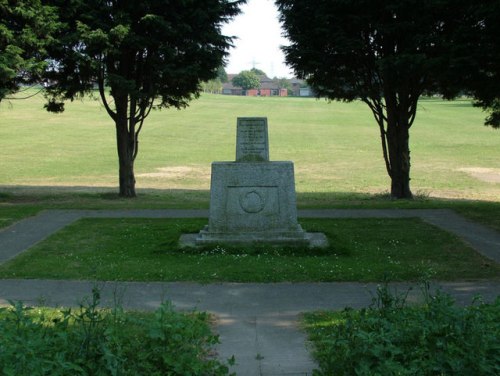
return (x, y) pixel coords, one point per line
(392, 338)
(93, 341)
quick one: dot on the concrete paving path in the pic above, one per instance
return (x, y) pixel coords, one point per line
(258, 323)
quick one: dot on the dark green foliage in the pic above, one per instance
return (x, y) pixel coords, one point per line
(247, 80)
(150, 54)
(144, 50)
(476, 55)
(391, 338)
(493, 109)
(26, 26)
(386, 53)
(93, 341)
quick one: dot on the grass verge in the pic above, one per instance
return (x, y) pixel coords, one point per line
(146, 250)
(13, 213)
(390, 338)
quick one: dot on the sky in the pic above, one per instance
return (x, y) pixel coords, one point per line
(259, 35)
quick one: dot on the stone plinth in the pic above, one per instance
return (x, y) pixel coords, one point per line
(252, 202)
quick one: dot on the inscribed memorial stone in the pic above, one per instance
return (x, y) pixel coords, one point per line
(252, 142)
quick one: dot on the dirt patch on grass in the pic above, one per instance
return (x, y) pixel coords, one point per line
(489, 175)
(179, 172)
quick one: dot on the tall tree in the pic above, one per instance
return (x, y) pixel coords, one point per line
(385, 52)
(141, 55)
(26, 27)
(246, 80)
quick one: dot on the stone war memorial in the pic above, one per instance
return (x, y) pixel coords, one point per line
(252, 200)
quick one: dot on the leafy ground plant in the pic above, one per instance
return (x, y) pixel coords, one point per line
(94, 341)
(391, 338)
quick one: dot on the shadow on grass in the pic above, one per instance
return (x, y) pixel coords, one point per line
(107, 197)
(90, 197)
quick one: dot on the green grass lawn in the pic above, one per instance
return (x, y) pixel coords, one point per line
(146, 250)
(335, 147)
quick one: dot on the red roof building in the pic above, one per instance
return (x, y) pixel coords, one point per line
(268, 88)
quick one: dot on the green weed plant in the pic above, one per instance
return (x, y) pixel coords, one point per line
(393, 338)
(94, 341)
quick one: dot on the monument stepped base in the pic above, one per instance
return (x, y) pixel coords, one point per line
(308, 240)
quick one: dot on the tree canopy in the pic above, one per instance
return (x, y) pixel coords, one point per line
(477, 56)
(246, 80)
(386, 53)
(258, 72)
(150, 54)
(26, 26)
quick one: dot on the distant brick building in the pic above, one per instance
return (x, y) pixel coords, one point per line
(268, 88)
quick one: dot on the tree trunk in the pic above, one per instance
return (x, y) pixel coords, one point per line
(398, 137)
(126, 162)
(126, 146)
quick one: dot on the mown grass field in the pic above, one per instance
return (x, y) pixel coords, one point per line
(335, 147)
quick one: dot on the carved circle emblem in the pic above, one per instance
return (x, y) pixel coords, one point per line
(252, 202)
